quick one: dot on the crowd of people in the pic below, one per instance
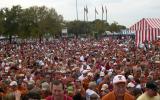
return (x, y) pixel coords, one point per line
(80, 69)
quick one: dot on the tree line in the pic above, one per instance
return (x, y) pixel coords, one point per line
(39, 22)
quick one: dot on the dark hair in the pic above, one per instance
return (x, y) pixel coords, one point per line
(78, 96)
(137, 81)
(57, 82)
(93, 97)
(137, 92)
(32, 95)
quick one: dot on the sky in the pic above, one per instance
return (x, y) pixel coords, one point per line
(125, 12)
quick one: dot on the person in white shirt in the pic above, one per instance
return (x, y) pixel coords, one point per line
(91, 90)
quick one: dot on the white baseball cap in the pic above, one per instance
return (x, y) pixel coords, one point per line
(13, 83)
(130, 77)
(104, 87)
(109, 73)
(119, 79)
(45, 86)
(131, 85)
(102, 74)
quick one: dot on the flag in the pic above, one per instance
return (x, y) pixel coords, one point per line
(86, 9)
(106, 12)
(96, 12)
(102, 9)
(106, 9)
(102, 12)
(84, 13)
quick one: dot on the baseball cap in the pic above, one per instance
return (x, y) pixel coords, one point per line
(45, 86)
(31, 82)
(130, 85)
(130, 77)
(13, 83)
(104, 87)
(109, 73)
(152, 85)
(102, 74)
(119, 79)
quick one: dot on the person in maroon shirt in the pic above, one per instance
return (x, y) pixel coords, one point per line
(58, 92)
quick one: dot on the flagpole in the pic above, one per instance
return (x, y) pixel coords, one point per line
(95, 13)
(102, 12)
(76, 10)
(106, 13)
(84, 14)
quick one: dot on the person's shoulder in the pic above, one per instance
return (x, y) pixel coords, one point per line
(109, 96)
(49, 98)
(129, 96)
(142, 97)
(68, 98)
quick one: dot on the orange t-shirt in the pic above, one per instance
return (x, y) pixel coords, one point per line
(23, 90)
(111, 96)
(85, 83)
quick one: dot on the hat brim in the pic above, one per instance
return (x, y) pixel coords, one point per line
(103, 88)
(119, 82)
(44, 89)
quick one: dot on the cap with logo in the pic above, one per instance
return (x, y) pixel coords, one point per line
(119, 79)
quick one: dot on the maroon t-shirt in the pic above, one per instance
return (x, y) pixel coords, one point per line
(65, 98)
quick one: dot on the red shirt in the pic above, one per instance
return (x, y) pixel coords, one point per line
(65, 98)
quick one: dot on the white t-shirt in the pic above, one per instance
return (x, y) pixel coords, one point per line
(82, 58)
(89, 92)
(88, 68)
(81, 78)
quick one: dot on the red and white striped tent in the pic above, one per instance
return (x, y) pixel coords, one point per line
(147, 29)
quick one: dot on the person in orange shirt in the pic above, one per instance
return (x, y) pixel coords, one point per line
(119, 90)
(86, 80)
(22, 87)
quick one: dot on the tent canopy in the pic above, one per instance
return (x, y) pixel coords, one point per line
(147, 29)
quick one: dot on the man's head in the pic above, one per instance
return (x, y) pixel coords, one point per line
(119, 84)
(57, 88)
(92, 85)
(152, 88)
(13, 84)
(94, 97)
(45, 86)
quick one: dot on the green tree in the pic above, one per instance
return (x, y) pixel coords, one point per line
(33, 22)
(114, 27)
(2, 19)
(45, 21)
(11, 24)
